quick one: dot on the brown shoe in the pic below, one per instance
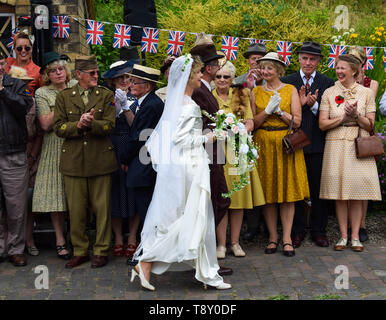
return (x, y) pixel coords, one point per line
(18, 260)
(99, 261)
(321, 241)
(76, 261)
(223, 271)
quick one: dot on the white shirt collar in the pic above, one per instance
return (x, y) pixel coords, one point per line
(206, 84)
(303, 75)
(140, 100)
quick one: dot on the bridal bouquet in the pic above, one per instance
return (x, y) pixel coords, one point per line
(227, 126)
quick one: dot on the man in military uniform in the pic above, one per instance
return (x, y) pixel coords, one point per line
(85, 116)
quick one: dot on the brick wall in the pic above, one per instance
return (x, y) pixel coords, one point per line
(77, 8)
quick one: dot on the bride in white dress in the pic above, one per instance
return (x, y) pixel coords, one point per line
(179, 229)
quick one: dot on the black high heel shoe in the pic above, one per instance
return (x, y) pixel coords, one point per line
(59, 249)
(271, 250)
(288, 253)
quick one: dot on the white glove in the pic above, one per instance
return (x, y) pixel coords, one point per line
(121, 98)
(273, 104)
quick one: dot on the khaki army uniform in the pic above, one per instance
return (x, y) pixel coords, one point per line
(86, 162)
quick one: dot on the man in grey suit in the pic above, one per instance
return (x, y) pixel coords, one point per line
(253, 77)
(311, 86)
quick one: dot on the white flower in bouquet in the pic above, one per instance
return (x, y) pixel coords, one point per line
(220, 112)
(244, 148)
(241, 125)
(254, 151)
(229, 120)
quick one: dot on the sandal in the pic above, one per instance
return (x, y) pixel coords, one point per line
(270, 250)
(33, 251)
(65, 256)
(130, 250)
(288, 253)
(118, 250)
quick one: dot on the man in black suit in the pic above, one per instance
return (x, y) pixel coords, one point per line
(311, 86)
(143, 114)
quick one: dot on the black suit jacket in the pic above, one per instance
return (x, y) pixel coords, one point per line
(147, 117)
(310, 122)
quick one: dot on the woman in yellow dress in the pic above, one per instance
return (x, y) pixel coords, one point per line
(283, 176)
(236, 101)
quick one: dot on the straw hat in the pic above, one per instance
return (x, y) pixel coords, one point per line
(145, 73)
(273, 56)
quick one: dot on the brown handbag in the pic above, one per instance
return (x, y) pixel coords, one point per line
(295, 140)
(368, 146)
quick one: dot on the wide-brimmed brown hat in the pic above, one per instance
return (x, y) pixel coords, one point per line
(311, 47)
(255, 48)
(204, 47)
(272, 56)
(145, 73)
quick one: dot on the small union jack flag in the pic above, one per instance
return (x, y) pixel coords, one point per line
(122, 36)
(335, 52)
(12, 39)
(229, 46)
(60, 27)
(149, 40)
(370, 58)
(284, 48)
(252, 41)
(175, 42)
(94, 32)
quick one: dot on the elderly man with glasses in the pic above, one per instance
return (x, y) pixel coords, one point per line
(85, 117)
(142, 115)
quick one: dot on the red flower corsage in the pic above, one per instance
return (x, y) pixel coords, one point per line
(339, 100)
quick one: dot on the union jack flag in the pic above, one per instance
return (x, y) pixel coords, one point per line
(60, 27)
(149, 40)
(335, 52)
(284, 48)
(252, 41)
(229, 46)
(94, 32)
(12, 39)
(370, 58)
(122, 36)
(175, 42)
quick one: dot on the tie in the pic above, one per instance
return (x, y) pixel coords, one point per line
(307, 84)
(134, 106)
(85, 97)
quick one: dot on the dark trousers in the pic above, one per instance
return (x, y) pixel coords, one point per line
(319, 208)
(218, 186)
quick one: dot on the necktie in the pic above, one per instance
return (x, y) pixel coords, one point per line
(134, 106)
(307, 84)
(85, 97)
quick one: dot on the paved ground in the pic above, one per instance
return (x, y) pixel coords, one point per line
(307, 276)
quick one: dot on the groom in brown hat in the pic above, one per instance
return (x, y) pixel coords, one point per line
(204, 98)
(85, 117)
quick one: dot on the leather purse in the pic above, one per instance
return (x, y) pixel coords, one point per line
(295, 140)
(368, 146)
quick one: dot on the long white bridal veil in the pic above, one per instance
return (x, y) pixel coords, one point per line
(169, 192)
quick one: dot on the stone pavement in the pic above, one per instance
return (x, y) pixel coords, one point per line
(310, 275)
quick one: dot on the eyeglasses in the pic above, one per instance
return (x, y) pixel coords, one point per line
(135, 83)
(91, 73)
(26, 48)
(3, 63)
(58, 69)
(219, 76)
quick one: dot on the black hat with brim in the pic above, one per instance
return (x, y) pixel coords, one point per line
(311, 47)
(119, 70)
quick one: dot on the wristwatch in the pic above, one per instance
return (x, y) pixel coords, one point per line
(281, 113)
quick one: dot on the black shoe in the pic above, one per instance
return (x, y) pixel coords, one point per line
(131, 262)
(270, 250)
(288, 253)
(224, 271)
(59, 249)
(362, 235)
(250, 234)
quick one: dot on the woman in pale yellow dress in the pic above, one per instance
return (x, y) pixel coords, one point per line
(251, 195)
(347, 180)
(283, 176)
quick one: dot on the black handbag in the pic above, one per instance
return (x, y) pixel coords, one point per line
(295, 140)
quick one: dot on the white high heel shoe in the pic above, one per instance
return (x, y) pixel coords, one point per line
(144, 283)
(222, 286)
